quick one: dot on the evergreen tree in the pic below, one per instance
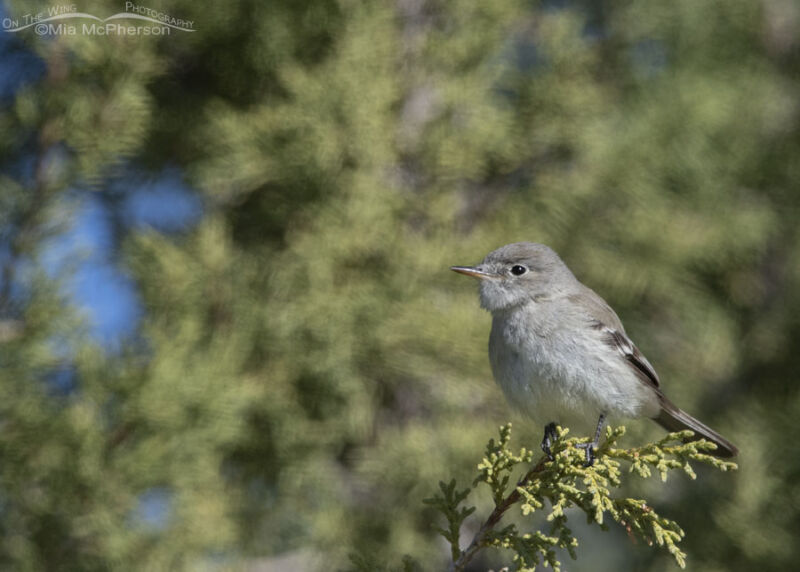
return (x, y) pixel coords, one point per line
(305, 369)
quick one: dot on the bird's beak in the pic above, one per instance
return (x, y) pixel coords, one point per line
(476, 272)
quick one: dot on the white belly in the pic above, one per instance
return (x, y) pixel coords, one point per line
(559, 376)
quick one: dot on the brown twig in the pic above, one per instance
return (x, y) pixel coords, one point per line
(500, 509)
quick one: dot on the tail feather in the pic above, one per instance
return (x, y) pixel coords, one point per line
(672, 418)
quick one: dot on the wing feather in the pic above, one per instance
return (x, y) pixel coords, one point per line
(601, 317)
(620, 342)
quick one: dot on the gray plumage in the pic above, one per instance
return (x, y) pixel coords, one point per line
(559, 351)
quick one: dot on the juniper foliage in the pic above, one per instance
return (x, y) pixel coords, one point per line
(556, 485)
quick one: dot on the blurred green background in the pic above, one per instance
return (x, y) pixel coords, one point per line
(228, 335)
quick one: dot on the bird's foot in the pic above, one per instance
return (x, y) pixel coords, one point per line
(550, 436)
(588, 448)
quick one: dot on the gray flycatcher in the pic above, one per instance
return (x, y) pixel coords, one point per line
(560, 352)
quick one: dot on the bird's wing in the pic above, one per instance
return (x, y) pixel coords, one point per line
(602, 318)
(622, 343)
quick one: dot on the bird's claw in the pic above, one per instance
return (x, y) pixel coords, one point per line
(592, 445)
(550, 436)
(589, 450)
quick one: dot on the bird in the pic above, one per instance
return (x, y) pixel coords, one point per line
(560, 353)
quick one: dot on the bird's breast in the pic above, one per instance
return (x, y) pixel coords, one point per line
(547, 370)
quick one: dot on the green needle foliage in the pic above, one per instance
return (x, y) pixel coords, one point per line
(448, 504)
(565, 483)
(301, 362)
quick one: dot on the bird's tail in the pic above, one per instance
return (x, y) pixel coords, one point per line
(672, 418)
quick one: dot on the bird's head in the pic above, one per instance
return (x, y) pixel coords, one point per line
(517, 273)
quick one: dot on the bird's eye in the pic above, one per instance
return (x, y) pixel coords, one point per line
(518, 270)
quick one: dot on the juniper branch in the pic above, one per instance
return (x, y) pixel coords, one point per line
(565, 482)
(479, 540)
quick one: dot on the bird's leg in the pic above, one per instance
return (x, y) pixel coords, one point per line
(589, 447)
(549, 438)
